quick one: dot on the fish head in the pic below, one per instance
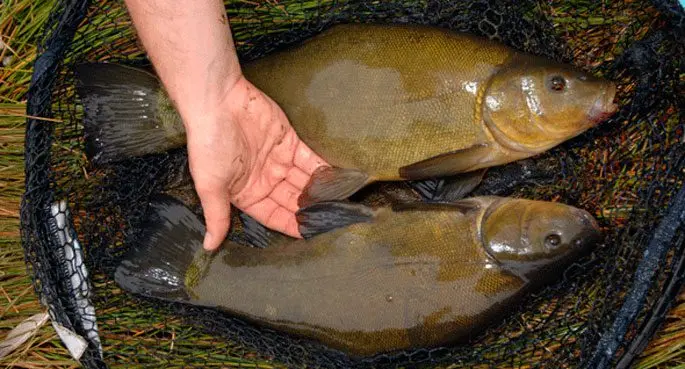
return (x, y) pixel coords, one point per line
(533, 104)
(526, 235)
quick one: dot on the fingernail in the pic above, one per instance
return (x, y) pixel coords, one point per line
(207, 242)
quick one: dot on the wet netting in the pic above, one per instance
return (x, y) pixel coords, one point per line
(79, 218)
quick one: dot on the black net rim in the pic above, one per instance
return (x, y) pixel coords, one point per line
(39, 195)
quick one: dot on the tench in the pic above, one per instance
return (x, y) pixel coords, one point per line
(377, 102)
(365, 280)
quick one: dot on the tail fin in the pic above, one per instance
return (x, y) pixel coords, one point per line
(158, 264)
(126, 113)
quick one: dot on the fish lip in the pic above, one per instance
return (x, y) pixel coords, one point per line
(592, 232)
(589, 238)
(604, 107)
(589, 221)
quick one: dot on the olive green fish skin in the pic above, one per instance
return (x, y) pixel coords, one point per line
(406, 279)
(379, 98)
(377, 102)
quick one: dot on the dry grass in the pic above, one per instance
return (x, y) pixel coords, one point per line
(17, 298)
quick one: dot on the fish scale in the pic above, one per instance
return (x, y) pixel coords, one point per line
(369, 281)
(377, 103)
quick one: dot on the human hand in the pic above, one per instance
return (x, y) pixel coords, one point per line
(246, 152)
(241, 147)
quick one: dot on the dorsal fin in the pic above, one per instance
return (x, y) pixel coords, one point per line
(258, 235)
(327, 216)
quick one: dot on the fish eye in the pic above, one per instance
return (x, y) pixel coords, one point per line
(552, 241)
(557, 83)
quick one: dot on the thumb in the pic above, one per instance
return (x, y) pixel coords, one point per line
(216, 206)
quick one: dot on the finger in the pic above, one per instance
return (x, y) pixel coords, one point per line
(274, 216)
(286, 195)
(293, 228)
(306, 159)
(298, 178)
(216, 207)
(284, 221)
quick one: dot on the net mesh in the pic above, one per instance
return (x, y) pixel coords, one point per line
(78, 219)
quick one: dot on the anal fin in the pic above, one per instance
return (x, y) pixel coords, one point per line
(331, 183)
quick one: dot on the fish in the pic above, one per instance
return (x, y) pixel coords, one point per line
(378, 102)
(364, 280)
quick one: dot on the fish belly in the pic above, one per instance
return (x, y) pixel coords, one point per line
(364, 290)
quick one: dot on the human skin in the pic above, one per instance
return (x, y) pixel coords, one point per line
(242, 149)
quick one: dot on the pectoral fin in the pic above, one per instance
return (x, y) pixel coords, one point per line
(330, 183)
(327, 216)
(448, 164)
(449, 189)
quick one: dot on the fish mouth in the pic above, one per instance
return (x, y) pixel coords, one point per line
(604, 107)
(591, 233)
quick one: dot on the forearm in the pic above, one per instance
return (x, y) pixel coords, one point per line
(190, 45)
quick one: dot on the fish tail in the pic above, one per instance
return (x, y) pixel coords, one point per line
(126, 113)
(158, 264)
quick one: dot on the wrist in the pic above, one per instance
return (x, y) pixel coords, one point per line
(213, 105)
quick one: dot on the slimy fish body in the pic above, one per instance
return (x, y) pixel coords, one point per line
(366, 281)
(377, 102)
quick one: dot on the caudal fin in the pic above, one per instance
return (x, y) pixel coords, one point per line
(126, 113)
(158, 264)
